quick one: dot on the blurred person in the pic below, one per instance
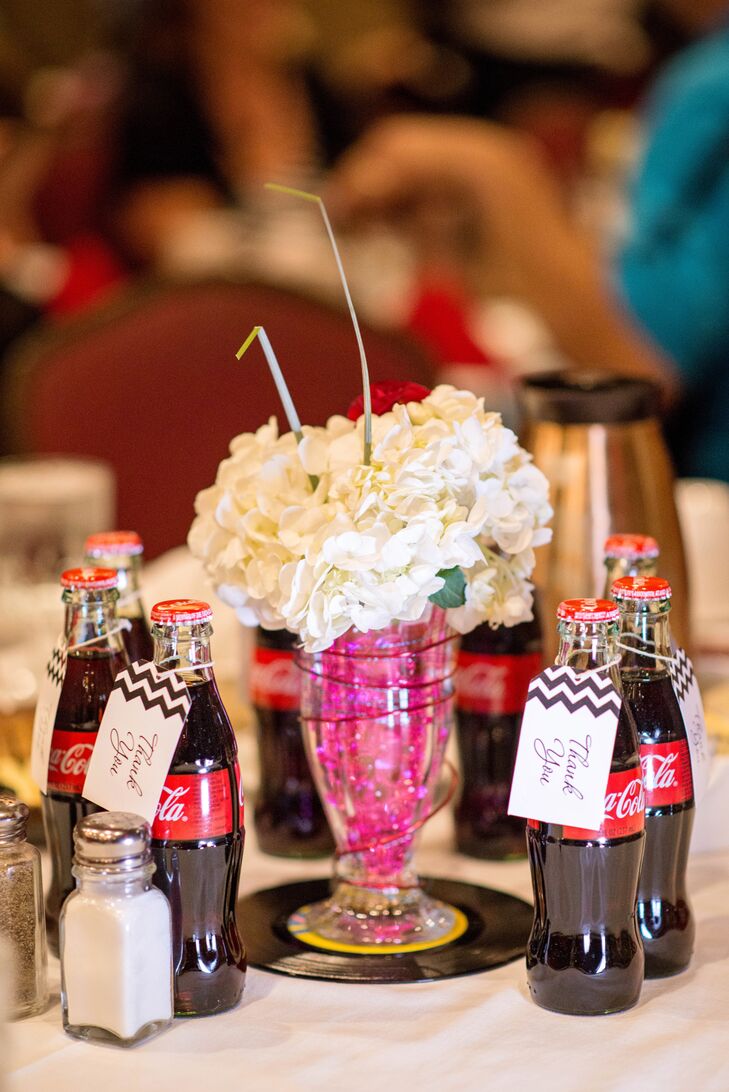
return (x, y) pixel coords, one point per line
(674, 269)
(217, 103)
(45, 274)
(524, 243)
(54, 157)
(42, 277)
(548, 68)
(666, 317)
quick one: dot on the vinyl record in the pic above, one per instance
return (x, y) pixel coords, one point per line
(497, 932)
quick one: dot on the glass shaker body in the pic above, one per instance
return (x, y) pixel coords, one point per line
(22, 921)
(115, 944)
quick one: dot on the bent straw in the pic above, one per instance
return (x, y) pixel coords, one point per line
(357, 333)
(278, 378)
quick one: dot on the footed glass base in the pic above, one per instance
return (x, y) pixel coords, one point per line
(369, 920)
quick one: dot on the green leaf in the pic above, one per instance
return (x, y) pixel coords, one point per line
(453, 592)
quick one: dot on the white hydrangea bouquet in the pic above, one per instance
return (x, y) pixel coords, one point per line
(366, 520)
(448, 509)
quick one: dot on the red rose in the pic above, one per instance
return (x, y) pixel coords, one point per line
(387, 394)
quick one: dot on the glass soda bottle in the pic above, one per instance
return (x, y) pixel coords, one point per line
(629, 555)
(198, 832)
(585, 954)
(124, 551)
(95, 654)
(288, 815)
(495, 667)
(664, 913)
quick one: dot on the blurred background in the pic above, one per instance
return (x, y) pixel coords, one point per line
(518, 186)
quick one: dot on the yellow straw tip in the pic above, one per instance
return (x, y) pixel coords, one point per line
(278, 188)
(246, 344)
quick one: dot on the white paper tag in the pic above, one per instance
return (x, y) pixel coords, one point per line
(565, 748)
(138, 734)
(49, 694)
(692, 710)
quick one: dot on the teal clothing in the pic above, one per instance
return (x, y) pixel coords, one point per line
(674, 270)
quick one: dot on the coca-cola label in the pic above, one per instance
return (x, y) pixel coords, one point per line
(195, 806)
(495, 685)
(624, 810)
(275, 679)
(69, 760)
(666, 773)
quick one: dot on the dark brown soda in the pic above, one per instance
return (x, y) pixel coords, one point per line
(86, 687)
(585, 955)
(664, 913)
(487, 745)
(288, 814)
(200, 878)
(138, 640)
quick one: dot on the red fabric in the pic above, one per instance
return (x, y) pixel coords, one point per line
(438, 318)
(93, 270)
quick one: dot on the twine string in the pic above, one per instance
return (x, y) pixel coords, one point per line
(596, 670)
(643, 651)
(182, 670)
(124, 624)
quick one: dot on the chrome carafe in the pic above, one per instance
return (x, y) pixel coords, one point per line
(598, 440)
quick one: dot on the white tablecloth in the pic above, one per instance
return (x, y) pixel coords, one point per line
(480, 1032)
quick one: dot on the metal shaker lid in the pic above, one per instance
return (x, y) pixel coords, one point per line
(112, 839)
(587, 398)
(13, 818)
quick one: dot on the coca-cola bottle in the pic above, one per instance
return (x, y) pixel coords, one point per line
(664, 914)
(585, 954)
(197, 834)
(95, 653)
(124, 551)
(629, 555)
(288, 815)
(495, 667)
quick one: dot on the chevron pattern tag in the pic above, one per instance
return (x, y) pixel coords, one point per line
(692, 710)
(49, 695)
(138, 734)
(565, 748)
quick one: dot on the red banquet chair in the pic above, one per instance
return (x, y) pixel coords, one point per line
(150, 383)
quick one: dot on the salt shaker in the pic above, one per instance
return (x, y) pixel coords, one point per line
(115, 935)
(22, 922)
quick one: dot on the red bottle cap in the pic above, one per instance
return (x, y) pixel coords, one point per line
(630, 546)
(178, 611)
(89, 579)
(645, 588)
(110, 543)
(587, 610)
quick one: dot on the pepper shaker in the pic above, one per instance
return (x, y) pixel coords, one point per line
(22, 922)
(115, 935)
